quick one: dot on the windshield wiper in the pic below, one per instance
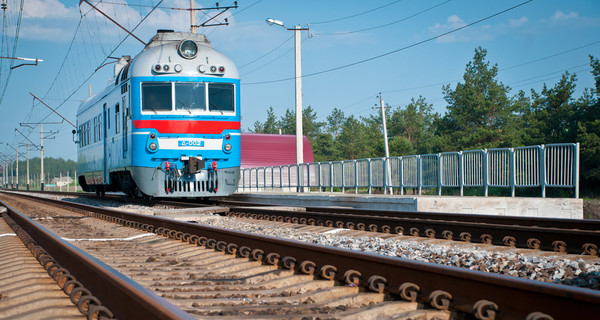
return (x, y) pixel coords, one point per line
(185, 106)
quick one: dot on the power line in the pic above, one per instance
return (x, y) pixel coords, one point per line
(356, 15)
(96, 70)
(266, 54)
(383, 25)
(397, 50)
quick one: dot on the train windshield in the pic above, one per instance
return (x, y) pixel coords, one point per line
(189, 97)
(156, 96)
(220, 97)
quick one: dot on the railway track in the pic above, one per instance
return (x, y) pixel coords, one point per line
(209, 271)
(547, 234)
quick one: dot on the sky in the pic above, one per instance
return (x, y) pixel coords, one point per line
(353, 51)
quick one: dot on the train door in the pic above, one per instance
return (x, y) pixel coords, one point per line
(126, 112)
(105, 174)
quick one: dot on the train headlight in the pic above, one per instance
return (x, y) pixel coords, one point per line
(177, 68)
(188, 49)
(153, 146)
(227, 147)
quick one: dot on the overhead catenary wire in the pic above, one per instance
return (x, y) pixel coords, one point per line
(386, 24)
(397, 50)
(103, 61)
(357, 14)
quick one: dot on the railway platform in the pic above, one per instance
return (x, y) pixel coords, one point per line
(566, 208)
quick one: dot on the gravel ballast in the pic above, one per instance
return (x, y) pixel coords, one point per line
(523, 263)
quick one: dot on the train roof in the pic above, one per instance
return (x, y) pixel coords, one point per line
(163, 48)
(261, 150)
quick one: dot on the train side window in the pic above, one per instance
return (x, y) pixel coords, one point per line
(117, 114)
(100, 127)
(108, 119)
(86, 131)
(95, 129)
(157, 96)
(221, 97)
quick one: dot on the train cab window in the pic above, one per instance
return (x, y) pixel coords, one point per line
(190, 96)
(156, 96)
(221, 97)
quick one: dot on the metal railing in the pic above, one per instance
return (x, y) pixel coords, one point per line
(552, 165)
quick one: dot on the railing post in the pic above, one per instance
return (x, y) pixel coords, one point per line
(419, 177)
(331, 175)
(461, 173)
(512, 172)
(343, 178)
(355, 163)
(401, 172)
(485, 172)
(576, 170)
(542, 157)
(440, 163)
(369, 177)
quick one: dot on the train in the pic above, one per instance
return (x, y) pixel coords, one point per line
(166, 125)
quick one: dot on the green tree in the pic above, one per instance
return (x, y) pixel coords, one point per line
(552, 117)
(479, 109)
(356, 140)
(588, 133)
(271, 125)
(335, 121)
(415, 125)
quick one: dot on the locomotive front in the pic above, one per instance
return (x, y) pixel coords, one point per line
(185, 116)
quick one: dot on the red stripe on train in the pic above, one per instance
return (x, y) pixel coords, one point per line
(187, 126)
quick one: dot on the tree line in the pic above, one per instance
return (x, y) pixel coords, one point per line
(481, 113)
(52, 168)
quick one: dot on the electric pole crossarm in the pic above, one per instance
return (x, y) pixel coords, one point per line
(34, 97)
(24, 136)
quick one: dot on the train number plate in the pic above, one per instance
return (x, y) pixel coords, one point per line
(190, 143)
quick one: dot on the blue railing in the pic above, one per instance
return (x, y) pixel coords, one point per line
(552, 165)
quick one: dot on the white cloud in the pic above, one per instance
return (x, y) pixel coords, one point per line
(517, 22)
(47, 9)
(559, 15)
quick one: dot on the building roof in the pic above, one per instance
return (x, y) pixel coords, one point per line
(262, 150)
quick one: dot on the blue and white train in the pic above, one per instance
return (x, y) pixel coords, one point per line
(167, 125)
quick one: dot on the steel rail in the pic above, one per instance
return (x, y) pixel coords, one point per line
(478, 218)
(472, 292)
(124, 297)
(548, 234)
(523, 236)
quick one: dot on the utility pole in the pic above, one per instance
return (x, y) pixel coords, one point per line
(17, 173)
(42, 156)
(193, 15)
(298, 72)
(27, 165)
(28, 141)
(388, 176)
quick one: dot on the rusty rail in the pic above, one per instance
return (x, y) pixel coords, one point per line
(484, 295)
(124, 297)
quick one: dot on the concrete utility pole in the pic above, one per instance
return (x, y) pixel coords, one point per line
(17, 173)
(193, 16)
(298, 75)
(388, 176)
(27, 165)
(42, 156)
